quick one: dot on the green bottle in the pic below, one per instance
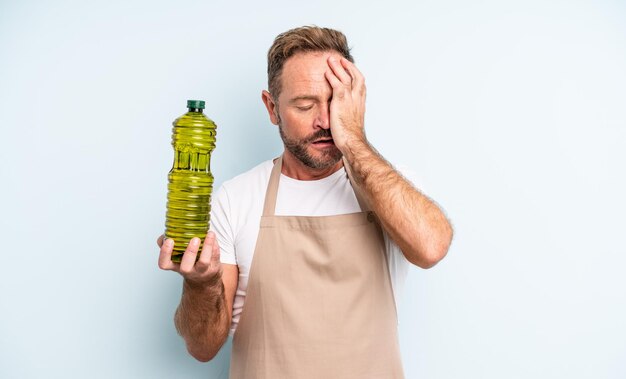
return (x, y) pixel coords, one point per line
(190, 181)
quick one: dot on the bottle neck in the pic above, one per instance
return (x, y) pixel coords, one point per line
(197, 110)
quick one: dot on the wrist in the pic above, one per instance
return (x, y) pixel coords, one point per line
(355, 148)
(214, 285)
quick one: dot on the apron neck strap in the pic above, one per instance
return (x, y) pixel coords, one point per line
(269, 208)
(272, 188)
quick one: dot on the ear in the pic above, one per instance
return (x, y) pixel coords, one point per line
(272, 108)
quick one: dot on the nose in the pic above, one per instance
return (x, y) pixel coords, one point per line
(322, 119)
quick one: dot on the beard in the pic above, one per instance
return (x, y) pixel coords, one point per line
(299, 149)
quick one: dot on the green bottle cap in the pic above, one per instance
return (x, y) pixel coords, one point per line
(195, 104)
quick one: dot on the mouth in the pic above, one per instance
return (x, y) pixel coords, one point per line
(323, 142)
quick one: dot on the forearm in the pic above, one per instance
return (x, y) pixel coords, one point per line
(202, 319)
(412, 220)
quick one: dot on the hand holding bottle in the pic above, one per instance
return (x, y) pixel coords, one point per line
(206, 272)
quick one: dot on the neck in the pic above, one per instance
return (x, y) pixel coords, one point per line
(293, 168)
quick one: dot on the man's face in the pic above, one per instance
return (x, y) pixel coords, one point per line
(304, 110)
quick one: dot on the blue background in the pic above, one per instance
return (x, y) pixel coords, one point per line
(512, 114)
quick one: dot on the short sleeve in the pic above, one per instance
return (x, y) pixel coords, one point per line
(220, 224)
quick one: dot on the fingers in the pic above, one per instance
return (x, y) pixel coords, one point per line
(358, 79)
(206, 258)
(165, 256)
(344, 74)
(189, 256)
(215, 255)
(160, 240)
(334, 82)
(340, 72)
(207, 270)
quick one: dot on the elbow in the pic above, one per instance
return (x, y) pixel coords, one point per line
(431, 260)
(202, 355)
(428, 257)
(428, 260)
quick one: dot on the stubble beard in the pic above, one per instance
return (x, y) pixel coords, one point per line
(299, 149)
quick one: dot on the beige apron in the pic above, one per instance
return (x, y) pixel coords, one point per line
(319, 302)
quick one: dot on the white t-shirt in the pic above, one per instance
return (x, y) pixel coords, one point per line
(236, 214)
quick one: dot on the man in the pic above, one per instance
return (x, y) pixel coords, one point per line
(312, 243)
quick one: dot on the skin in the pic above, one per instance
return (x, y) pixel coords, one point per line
(322, 99)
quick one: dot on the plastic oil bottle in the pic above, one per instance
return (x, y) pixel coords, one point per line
(190, 181)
